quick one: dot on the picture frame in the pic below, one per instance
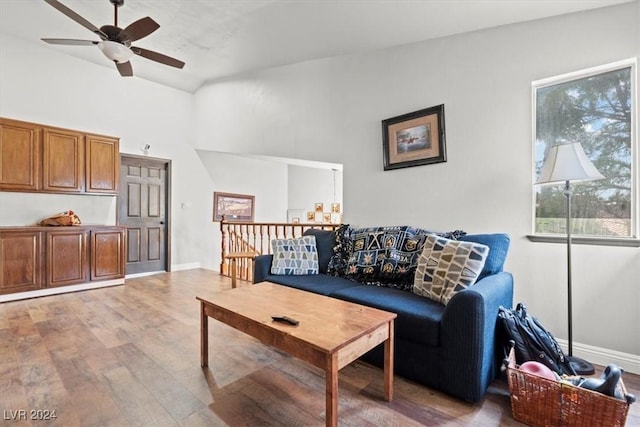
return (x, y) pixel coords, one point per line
(319, 207)
(311, 216)
(295, 216)
(414, 139)
(234, 207)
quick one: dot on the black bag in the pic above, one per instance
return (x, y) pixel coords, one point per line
(532, 340)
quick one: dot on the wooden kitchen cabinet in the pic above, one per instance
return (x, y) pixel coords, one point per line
(41, 158)
(107, 253)
(102, 163)
(62, 161)
(67, 257)
(21, 261)
(20, 151)
(37, 258)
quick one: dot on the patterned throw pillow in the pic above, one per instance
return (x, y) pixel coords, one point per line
(381, 256)
(294, 256)
(446, 267)
(341, 250)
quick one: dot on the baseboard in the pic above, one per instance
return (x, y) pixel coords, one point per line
(190, 266)
(145, 274)
(60, 290)
(603, 356)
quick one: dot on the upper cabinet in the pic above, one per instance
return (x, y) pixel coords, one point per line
(20, 151)
(42, 158)
(62, 161)
(102, 164)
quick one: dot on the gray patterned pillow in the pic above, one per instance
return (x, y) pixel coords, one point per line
(446, 267)
(294, 256)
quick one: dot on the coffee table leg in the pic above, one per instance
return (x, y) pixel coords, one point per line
(204, 337)
(234, 271)
(331, 376)
(388, 365)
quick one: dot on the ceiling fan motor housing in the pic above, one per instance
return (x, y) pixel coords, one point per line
(115, 34)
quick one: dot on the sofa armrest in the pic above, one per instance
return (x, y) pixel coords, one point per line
(468, 333)
(261, 267)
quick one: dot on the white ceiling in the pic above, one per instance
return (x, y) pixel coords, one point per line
(218, 38)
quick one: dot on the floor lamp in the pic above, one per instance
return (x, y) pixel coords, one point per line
(568, 163)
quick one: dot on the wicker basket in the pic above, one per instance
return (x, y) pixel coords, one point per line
(538, 401)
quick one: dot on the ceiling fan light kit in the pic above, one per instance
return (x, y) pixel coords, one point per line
(115, 42)
(115, 51)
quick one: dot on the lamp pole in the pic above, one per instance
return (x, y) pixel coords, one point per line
(580, 366)
(567, 195)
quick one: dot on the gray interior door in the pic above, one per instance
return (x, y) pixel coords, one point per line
(143, 209)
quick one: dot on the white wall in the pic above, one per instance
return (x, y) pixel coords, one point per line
(308, 186)
(330, 110)
(230, 173)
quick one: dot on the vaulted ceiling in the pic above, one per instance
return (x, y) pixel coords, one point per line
(220, 38)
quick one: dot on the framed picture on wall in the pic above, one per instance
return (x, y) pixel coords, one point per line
(234, 207)
(414, 139)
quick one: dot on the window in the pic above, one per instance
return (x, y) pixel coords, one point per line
(596, 107)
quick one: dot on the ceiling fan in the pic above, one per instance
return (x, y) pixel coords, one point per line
(115, 42)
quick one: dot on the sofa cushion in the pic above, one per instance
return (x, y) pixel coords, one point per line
(498, 248)
(317, 283)
(446, 267)
(294, 256)
(418, 318)
(325, 241)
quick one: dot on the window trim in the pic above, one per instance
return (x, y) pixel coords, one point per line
(634, 239)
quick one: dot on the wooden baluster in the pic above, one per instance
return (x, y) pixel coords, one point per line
(223, 244)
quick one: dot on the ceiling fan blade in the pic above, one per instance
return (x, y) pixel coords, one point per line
(139, 29)
(71, 42)
(125, 68)
(158, 57)
(79, 19)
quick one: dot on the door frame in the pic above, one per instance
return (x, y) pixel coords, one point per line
(167, 206)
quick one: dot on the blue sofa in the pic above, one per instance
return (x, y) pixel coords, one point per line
(450, 347)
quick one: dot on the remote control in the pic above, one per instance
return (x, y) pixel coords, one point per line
(285, 319)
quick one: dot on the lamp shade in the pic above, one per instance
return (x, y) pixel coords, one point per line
(567, 162)
(115, 51)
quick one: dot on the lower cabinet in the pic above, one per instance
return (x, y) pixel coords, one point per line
(33, 258)
(107, 253)
(21, 261)
(67, 255)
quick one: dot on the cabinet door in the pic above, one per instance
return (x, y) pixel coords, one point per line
(20, 148)
(67, 259)
(20, 261)
(63, 161)
(102, 164)
(107, 253)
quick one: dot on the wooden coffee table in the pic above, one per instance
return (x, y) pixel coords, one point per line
(331, 333)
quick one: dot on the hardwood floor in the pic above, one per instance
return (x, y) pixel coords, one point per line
(129, 356)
